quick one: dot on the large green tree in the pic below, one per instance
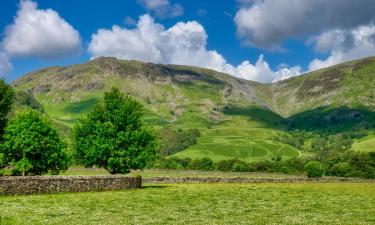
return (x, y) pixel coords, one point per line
(6, 99)
(114, 136)
(32, 146)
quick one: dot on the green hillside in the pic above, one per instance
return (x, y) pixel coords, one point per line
(236, 118)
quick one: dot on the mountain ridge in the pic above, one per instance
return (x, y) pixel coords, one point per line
(223, 107)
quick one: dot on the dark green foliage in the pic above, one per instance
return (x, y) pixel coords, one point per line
(202, 164)
(327, 146)
(6, 100)
(24, 99)
(342, 169)
(174, 141)
(225, 165)
(114, 136)
(32, 146)
(314, 169)
(240, 167)
(294, 138)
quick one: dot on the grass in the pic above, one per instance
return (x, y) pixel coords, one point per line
(306, 203)
(239, 138)
(366, 144)
(77, 170)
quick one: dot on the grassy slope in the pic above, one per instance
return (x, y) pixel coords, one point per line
(175, 96)
(190, 97)
(349, 84)
(366, 144)
(309, 203)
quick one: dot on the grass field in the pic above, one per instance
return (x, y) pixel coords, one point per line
(240, 138)
(366, 144)
(76, 171)
(306, 203)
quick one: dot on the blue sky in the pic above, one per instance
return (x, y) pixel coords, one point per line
(264, 40)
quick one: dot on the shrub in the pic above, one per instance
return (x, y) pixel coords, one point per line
(225, 165)
(114, 136)
(342, 169)
(32, 146)
(240, 167)
(314, 169)
(202, 164)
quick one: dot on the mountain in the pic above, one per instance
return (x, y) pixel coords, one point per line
(237, 118)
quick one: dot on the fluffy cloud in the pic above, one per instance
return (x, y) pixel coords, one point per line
(261, 71)
(344, 45)
(266, 23)
(4, 64)
(40, 33)
(162, 8)
(183, 43)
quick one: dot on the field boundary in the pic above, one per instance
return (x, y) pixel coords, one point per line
(178, 180)
(12, 185)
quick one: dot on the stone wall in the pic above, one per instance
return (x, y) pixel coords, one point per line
(176, 180)
(50, 184)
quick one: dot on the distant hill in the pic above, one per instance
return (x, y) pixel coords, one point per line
(237, 118)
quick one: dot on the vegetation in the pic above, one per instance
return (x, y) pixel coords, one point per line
(174, 141)
(318, 203)
(314, 169)
(32, 146)
(6, 99)
(114, 136)
(243, 125)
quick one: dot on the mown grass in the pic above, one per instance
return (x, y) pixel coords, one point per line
(78, 170)
(240, 138)
(305, 203)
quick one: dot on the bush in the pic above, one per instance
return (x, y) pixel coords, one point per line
(32, 146)
(114, 136)
(342, 169)
(225, 165)
(314, 169)
(240, 167)
(202, 164)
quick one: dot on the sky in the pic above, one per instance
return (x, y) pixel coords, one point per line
(260, 40)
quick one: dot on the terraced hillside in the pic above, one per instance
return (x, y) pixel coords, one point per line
(237, 118)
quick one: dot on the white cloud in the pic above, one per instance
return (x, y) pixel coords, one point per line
(162, 8)
(40, 33)
(344, 45)
(261, 71)
(183, 43)
(266, 23)
(4, 64)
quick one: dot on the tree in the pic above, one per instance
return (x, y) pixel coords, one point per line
(114, 136)
(6, 100)
(32, 146)
(314, 169)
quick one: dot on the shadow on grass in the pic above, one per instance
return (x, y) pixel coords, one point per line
(81, 107)
(154, 186)
(265, 116)
(320, 120)
(332, 120)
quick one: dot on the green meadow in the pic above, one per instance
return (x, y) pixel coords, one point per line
(304, 203)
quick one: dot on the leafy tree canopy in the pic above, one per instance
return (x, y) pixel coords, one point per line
(6, 99)
(114, 136)
(32, 146)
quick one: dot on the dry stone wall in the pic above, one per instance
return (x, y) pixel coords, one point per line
(50, 184)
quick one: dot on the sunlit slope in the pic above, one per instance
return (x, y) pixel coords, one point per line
(366, 144)
(237, 118)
